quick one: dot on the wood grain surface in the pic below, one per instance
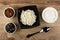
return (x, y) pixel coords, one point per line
(20, 34)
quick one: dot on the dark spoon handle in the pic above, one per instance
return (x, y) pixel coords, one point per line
(29, 35)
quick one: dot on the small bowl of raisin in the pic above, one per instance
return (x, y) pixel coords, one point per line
(10, 28)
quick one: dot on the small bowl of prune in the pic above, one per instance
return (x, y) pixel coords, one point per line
(10, 28)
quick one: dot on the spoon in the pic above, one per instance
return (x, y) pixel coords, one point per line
(44, 29)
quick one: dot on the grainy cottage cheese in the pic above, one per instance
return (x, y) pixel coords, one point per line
(28, 17)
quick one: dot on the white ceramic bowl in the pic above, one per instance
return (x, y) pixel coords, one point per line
(50, 15)
(12, 9)
(8, 32)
